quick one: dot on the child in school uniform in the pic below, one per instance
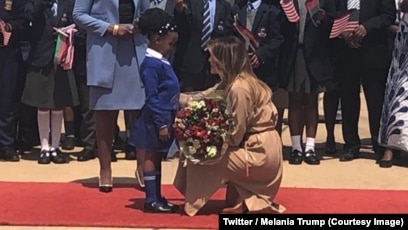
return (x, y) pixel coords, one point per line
(152, 131)
(48, 86)
(263, 18)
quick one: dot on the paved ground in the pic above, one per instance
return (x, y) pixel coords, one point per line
(362, 173)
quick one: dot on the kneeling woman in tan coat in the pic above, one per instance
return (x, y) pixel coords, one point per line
(252, 164)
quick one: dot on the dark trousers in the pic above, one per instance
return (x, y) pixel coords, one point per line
(26, 117)
(352, 74)
(88, 120)
(10, 59)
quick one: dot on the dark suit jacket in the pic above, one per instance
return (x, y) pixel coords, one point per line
(315, 47)
(42, 35)
(266, 29)
(189, 56)
(79, 66)
(16, 19)
(376, 16)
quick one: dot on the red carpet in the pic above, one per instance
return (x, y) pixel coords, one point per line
(74, 204)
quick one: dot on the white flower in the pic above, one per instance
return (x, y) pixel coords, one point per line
(211, 151)
(197, 105)
(181, 125)
(191, 150)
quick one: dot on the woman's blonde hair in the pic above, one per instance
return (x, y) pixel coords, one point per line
(232, 61)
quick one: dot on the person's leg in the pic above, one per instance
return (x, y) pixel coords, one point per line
(279, 123)
(331, 101)
(43, 118)
(88, 121)
(311, 120)
(130, 116)
(152, 179)
(105, 125)
(9, 61)
(296, 126)
(55, 126)
(350, 81)
(69, 140)
(374, 81)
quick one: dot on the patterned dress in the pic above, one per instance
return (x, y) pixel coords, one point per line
(394, 121)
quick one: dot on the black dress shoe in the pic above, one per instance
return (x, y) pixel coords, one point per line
(45, 157)
(330, 148)
(175, 208)
(385, 163)
(68, 143)
(130, 155)
(57, 157)
(157, 207)
(9, 154)
(311, 158)
(295, 158)
(105, 188)
(86, 155)
(348, 155)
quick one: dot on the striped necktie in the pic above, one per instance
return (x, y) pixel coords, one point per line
(353, 4)
(206, 32)
(250, 7)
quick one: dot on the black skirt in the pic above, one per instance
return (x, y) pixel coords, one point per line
(50, 87)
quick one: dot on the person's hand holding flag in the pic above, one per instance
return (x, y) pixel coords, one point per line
(5, 31)
(320, 15)
(360, 32)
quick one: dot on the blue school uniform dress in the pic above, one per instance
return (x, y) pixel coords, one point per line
(162, 91)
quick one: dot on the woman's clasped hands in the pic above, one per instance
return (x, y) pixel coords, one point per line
(123, 30)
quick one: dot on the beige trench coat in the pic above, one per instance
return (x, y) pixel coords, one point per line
(251, 166)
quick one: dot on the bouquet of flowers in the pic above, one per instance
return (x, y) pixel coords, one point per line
(201, 129)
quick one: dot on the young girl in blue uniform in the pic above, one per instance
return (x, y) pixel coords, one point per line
(152, 131)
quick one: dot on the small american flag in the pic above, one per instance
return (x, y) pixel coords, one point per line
(290, 10)
(6, 35)
(345, 23)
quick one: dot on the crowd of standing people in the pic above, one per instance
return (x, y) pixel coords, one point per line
(142, 56)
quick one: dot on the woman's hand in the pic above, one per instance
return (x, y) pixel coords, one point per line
(179, 5)
(164, 134)
(121, 30)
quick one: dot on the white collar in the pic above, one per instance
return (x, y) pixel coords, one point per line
(154, 54)
(256, 4)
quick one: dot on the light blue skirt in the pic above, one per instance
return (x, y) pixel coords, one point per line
(127, 92)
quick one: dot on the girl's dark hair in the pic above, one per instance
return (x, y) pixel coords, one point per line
(156, 21)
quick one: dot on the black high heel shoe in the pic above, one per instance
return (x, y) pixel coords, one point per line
(105, 188)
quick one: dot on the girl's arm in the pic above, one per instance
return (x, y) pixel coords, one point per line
(150, 78)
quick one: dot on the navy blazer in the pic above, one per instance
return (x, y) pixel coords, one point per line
(16, 19)
(376, 16)
(42, 35)
(267, 30)
(316, 46)
(189, 56)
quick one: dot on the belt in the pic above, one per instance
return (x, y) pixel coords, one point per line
(301, 46)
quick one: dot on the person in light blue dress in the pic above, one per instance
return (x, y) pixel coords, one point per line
(152, 131)
(394, 121)
(115, 50)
